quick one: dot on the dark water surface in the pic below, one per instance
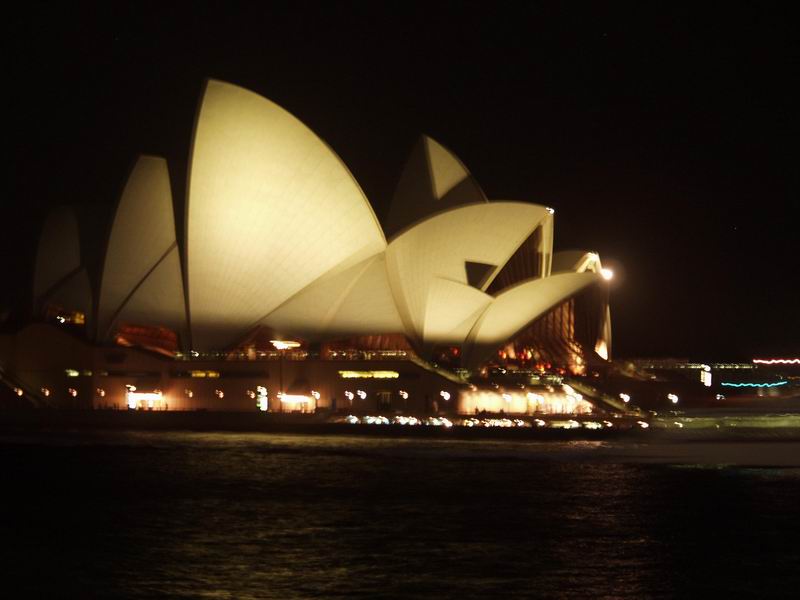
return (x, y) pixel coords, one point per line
(183, 515)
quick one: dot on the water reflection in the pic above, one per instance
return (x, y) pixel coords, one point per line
(259, 516)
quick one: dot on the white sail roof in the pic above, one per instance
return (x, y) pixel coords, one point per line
(58, 255)
(515, 308)
(433, 180)
(355, 301)
(439, 248)
(576, 261)
(270, 209)
(141, 280)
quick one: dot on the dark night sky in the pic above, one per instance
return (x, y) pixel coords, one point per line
(665, 138)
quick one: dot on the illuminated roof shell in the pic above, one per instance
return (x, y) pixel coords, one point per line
(438, 248)
(270, 209)
(141, 280)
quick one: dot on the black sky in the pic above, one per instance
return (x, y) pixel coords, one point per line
(665, 138)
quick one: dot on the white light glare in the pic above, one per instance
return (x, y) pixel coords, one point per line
(607, 274)
(445, 395)
(673, 398)
(625, 398)
(284, 344)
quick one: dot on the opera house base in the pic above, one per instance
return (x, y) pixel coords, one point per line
(49, 367)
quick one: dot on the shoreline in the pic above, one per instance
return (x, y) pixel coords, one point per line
(77, 421)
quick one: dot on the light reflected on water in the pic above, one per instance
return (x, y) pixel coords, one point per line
(190, 515)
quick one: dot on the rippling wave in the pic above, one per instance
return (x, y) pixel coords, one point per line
(198, 515)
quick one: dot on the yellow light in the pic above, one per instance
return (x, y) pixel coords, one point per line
(607, 274)
(294, 398)
(138, 399)
(601, 348)
(71, 373)
(284, 344)
(369, 374)
(210, 374)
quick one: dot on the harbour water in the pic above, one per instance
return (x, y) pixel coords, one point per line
(252, 515)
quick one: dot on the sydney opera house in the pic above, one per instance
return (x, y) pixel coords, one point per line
(283, 291)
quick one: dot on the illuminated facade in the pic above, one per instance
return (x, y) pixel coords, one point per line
(280, 242)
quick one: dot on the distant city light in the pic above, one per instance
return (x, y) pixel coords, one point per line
(361, 394)
(625, 398)
(673, 398)
(705, 376)
(777, 361)
(445, 395)
(754, 385)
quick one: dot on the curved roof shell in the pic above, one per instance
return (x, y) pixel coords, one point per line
(355, 301)
(576, 261)
(270, 209)
(517, 307)
(433, 180)
(141, 279)
(58, 256)
(60, 277)
(438, 249)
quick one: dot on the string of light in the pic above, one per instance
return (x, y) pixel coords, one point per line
(754, 385)
(776, 361)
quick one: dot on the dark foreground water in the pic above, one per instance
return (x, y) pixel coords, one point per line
(182, 515)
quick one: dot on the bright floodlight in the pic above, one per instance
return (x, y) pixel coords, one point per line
(607, 274)
(284, 344)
